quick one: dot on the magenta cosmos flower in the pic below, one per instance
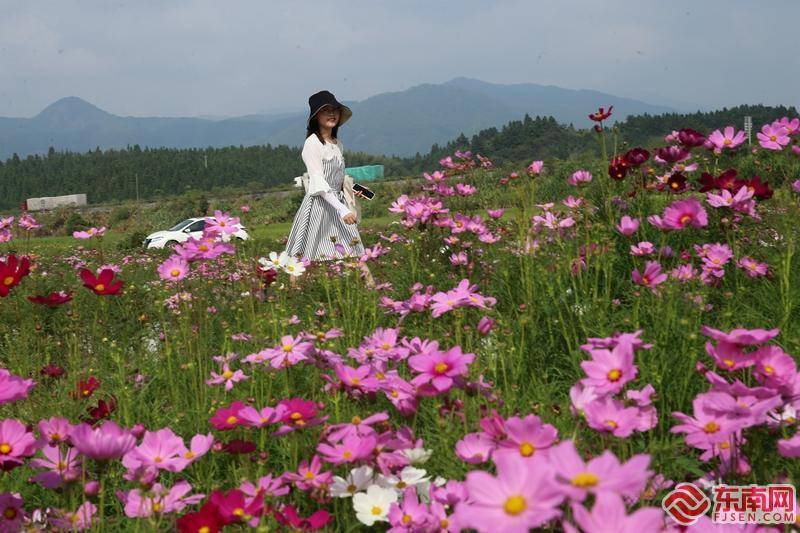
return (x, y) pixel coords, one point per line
(527, 437)
(89, 233)
(773, 136)
(741, 336)
(159, 500)
(16, 443)
(608, 515)
(161, 449)
(108, 441)
(601, 474)
(352, 448)
(290, 352)
(440, 369)
(680, 215)
(535, 168)
(707, 427)
(652, 276)
(475, 448)
(580, 177)
(522, 496)
(608, 415)
(609, 370)
(627, 226)
(13, 388)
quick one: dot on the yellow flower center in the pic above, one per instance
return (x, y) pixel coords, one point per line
(189, 455)
(9, 281)
(769, 370)
(711, 427)
(287, 347)
(10, 513)
(5, 448)
(645, 280)
(355, 421)
(401, 484)
(203, 248)
(611, 424)
(728, 362)
(231, 419)
(309, 475)
(355, 381)
(157, 507)
(55, 437)
(99, 287)
(685, 219)
(227, 374)
(515, 505)
(724, 445)
(157, 459)
(377, 510)
(585, 480)
(773, 138)
(238, 511)
(386, 346)
(614, 374)
(395, 394)
(175, 272)
(444, 523)
(61, 466)
(204, 529)
(526, 449)
(727, 142)
(440, 368)
(296, 416)
(347, 454)
(352, 489)
(406, 519)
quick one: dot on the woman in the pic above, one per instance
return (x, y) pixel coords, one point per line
(324, 227)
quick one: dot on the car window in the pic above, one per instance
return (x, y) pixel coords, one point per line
(198, 226)
(180, 225)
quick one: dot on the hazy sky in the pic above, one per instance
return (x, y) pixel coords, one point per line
(229, 57)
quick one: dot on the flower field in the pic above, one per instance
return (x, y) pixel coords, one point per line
(554, 346)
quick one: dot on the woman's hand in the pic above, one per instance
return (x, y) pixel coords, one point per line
(359, 194)
(349, 218)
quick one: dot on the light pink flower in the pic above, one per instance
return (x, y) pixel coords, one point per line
(727, 139)
(580, 177)
(89, 233)
(227, 376)
(175, 268)
(627, 225)
(102, 443)
(608, 515)
(16, 443)
(13, 388)
(475, 448)
(609, 370)
(535, 168)
(773, 136)
(527, 437)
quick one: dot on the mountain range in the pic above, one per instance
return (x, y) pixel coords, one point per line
(393, 123)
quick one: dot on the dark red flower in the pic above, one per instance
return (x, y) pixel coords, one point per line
(618, 168)
(636, 156)
(672, 154)
(601, 114)
(708, 182)
(206, 520)
(676, 182)
(288, 516)
(691, 138)
(762, 191)
(103, 284)
(102, 410)
(52, 371)
(87, 387)
(12, 270)
(237, 446)
(54, 299)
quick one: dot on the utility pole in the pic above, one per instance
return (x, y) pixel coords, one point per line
(137, 187)
(748, 129)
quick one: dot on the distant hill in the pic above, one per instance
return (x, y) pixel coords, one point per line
(395, 123)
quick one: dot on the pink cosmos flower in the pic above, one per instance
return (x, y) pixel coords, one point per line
(475, 448)
(309, 475)
(227, 376)
(602, 474)
(234, 509)
(726, 139)
(440, 369)
(609, 370)
(356, 427)
(652, 276)
(627, 225)
(352, 448)
(161, 449)
(175, 268)
(527, 437)
(522, 496)
(259, 418)
(102, 443)
(752, 267)
(89, 233)
(580, 397)
(684, 273)
(535, 168)
(54, 431)
(580, 177)
(222, 224)
(485, 325)
(13, 388)
(774, 368)
(298, 414)
(16, 443)
(608, 515)
(684, 213)
(643, 248)
(411, 514)
(789, 447)
(706, 428)
(272, 487)
(496, 213)
(290, 352)
(158, 500)
(459, 259)
(63, 466)
(550, 221)
(28, 223)
(740, 336)
(773, 136)
(80, 520)
(608, 415)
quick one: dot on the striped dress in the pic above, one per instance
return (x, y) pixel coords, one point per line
(318, 233)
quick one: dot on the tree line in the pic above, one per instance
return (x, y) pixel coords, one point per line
(152, 173)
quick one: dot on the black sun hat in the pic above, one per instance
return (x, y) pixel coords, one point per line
(325, 98)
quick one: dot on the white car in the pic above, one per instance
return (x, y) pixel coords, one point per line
(191, 227)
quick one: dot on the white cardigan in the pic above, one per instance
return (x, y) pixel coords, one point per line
(314, 182)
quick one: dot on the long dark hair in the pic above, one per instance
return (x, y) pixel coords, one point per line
(313, 129)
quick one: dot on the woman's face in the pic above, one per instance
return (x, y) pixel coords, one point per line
(328, 117)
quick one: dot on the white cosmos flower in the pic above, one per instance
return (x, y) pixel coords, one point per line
(357, 480)
(275, 260)
(373, 506)
(417, 456)
(294, 267)
(409, 477)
